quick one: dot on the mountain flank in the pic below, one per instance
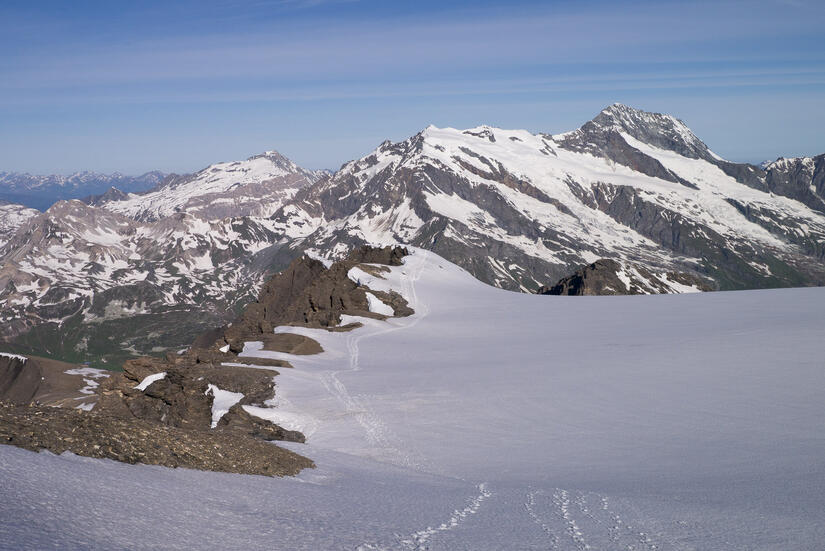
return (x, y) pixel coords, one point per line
(146, 273)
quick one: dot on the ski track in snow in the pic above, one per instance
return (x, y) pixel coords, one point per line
(420, 539)
(530, 507)
(586, 521)
(377, 432)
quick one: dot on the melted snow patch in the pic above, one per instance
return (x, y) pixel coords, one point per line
(222, 402)
(288, 420)
(624, 278)
(315, 255)
(255, 349)
(677, 287)
(14, 356)
(88, 372)
(378, 306)
(254, 366)
(144, 384)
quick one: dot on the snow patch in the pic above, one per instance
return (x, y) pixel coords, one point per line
(144, 384)
(222, 402)
(378, 306)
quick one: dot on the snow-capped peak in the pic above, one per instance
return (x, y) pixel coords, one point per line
(256, 186)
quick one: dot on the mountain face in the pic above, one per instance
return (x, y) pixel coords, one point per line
(142, 273)
(520, 210)
(12, 217)
(254, 187)
(41, 192)
(638, 192)
(91, 281)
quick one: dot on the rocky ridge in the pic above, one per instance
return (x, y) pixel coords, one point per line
(210, 406)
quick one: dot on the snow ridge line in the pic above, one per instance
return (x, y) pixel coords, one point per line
(419, 541)
(376, 430)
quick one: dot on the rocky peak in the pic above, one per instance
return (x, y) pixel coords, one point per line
(483, 132)
(310, 293)
(278, 160)
(656, 129)
(111, 194)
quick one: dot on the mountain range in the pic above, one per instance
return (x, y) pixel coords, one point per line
(140, 272)
(42, 191)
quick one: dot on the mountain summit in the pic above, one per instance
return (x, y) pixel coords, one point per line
(238, 188)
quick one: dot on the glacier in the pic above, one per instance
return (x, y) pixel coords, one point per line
(491, 419)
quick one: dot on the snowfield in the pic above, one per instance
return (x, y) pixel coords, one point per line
(497, 420)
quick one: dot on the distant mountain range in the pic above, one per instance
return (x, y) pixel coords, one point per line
(145, 272)
(41, 192)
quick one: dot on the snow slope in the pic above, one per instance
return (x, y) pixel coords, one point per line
(498, 420)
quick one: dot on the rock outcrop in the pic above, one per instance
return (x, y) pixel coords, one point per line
(309, 293)
(94, 434)
(609, 277)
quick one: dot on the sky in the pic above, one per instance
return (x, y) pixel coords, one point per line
(175, 86)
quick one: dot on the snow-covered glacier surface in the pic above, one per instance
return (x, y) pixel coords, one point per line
(497, 420)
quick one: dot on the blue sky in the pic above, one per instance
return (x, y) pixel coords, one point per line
(135, 86)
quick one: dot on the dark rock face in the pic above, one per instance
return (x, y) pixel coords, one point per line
(729, 262)
(308, 293)
(602, 278)
(94, 434)
(802, 179)
(601, 137)
(36, 380)
(18, 383)
(391, 256)
(112, 194)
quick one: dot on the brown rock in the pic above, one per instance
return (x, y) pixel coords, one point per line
(136, 441)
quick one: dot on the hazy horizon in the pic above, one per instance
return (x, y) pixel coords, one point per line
(133, 88)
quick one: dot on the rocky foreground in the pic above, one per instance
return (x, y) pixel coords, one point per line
(201, 408)
(133, 440)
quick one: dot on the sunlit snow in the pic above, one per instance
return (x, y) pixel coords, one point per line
(498, 420)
